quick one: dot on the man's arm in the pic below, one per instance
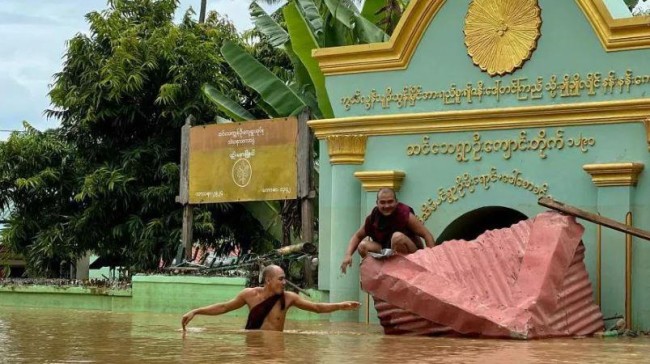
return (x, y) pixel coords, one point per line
(419, 229)
(215, 309)
(352, 247)
(317, 307)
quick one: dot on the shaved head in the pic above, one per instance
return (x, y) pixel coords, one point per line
(385, 190)
(270, 271)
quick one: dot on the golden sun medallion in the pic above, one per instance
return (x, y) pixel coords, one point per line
(501, 35)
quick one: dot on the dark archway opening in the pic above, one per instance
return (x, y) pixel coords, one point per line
(474, 223)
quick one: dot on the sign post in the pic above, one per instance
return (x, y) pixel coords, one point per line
(183, 198)
(257, 160)
(306, 192)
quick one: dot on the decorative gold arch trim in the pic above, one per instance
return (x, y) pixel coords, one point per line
(589, 113)
(373, 181)
(646, 123)
(392, 55)
(616, 34)
(614, 174)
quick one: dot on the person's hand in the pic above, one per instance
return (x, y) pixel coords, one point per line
(187, 318)
(349, 305)
(347, 262)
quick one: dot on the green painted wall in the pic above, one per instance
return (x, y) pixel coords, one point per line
(568, 45)
(561, 171)
(160, 294)
(66, 297)
(180, 294)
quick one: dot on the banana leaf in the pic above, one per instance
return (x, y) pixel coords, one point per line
(309, 11)
(372, 10)
(268, 214)
(278, 38)
(308, 97)
(267, 26)
(228, 106)
(303, 42)
(342, 13)
(299, 70)
(272, 89)
(266, 108)
(350, 4)
(335, 33)
(367, 32)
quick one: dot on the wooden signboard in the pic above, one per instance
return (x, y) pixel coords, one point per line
(246, 161)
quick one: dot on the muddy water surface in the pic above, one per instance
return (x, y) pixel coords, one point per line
(65, 336)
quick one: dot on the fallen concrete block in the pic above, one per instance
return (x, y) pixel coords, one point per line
(526, 281)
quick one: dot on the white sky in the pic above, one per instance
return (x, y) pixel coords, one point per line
(32, 43)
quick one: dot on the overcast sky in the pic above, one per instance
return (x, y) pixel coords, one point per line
(32, 42)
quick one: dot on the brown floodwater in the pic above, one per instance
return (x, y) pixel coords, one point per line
(67, 336)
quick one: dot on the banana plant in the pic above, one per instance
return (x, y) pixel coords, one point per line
(308, 25)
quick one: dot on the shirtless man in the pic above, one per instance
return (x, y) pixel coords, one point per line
(391, 224)
(269, 304)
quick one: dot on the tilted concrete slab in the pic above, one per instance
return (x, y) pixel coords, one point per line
(397, 321)
(526, 281)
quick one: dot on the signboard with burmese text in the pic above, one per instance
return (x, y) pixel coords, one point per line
(246, 161)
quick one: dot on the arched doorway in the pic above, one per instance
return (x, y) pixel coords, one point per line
(474, 223)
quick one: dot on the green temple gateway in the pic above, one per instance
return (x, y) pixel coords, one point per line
(473, 111)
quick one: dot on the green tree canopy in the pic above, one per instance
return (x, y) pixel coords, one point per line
(106, 180)
(37, 181)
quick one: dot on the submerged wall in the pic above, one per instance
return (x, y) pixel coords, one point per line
(65, 297)
(158, 294)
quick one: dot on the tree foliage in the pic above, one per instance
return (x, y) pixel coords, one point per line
(37, 183)
(296, 29)
(106, 180)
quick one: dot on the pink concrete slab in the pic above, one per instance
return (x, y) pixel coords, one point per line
(526, 281)
(397, 321)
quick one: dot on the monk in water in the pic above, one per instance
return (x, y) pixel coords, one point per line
(269, 304)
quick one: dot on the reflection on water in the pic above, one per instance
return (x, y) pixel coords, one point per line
(53, 336)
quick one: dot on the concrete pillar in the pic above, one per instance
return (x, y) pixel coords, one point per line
(616, 185)
(83, 267)
(346, 153)
(324, 223)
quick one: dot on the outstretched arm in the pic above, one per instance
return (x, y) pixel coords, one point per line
(352, 247)
(419, 229)
(215, 309)
(318, 307)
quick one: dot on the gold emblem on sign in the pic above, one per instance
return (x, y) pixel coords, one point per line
(242, 172)
(501, 35)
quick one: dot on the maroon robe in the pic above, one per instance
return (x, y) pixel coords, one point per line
(381, 228)
(258, 313)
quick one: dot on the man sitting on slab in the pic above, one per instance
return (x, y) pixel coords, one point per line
(392, 226)
(268, 304)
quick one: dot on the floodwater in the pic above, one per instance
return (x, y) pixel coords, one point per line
(66, 336)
